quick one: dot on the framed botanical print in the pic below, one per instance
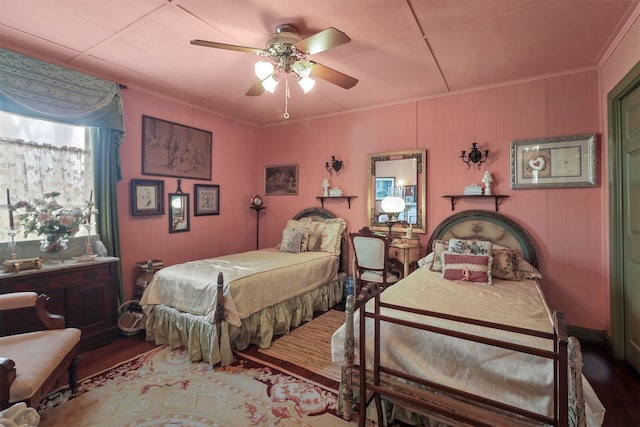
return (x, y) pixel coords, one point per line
(147, 197)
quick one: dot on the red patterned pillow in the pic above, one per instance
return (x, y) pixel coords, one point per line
(467, 268)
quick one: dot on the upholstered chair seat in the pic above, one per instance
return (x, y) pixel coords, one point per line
(371, 259)
(32, 363)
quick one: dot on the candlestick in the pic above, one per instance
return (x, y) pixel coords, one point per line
(10, 211)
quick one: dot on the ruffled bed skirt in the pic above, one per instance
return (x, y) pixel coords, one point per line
(166, 325)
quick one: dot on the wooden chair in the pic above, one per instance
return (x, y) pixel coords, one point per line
(371, 259)
(33, 363)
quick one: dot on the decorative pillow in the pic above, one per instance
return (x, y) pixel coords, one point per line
(505, 263)
(470, 247)
(331, 232)
(467, 268)
(315, 242)
(528, 271)
(426, 261)
(438, 247)
(304, 225)
(291, 238)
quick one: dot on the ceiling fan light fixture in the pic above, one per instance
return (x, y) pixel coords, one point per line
(270, 82)
(263, 69)
(306, 83)
(302, 67)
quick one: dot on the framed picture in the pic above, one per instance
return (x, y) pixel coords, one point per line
(559, 162)
(206, 199)
(178, 212)
(147, 197)
(281, 179)
(171, 149)
(384, 187)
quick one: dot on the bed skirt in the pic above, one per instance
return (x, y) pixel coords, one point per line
(166, 325)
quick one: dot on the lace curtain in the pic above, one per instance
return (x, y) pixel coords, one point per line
(42, 168)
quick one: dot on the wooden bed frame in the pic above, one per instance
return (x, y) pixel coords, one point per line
(222, 328)
(445, 404)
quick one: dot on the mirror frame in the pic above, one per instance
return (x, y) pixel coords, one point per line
(183, 224)
(421, 157)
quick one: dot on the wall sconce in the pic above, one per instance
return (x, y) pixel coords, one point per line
(333, 166)
(475, 156)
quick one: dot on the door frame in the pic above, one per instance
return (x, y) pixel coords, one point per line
(616, 261)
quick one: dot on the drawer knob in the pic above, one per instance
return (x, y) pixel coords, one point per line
(90, 274)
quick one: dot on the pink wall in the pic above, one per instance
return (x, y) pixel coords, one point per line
(236, 169)
(569, 226)
(566, 224)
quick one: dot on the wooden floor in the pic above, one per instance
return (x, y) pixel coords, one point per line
(616, 383)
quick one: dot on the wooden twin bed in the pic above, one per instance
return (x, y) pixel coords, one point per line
(463, 353)
(257, 295)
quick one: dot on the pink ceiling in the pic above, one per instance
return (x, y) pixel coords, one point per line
(400, 50)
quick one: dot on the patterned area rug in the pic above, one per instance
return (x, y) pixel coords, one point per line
(309, 345)
(163, 388)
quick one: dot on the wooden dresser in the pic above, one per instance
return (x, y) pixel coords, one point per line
(84, 292)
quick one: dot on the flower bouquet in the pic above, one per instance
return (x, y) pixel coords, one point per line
(47, 218)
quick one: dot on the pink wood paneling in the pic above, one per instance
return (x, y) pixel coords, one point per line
(236, 151)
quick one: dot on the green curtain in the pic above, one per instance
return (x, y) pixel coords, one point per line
(105, 149)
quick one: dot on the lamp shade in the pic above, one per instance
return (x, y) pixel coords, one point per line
(263, 69)
(306, 83)
(270, 83)
(392, 205)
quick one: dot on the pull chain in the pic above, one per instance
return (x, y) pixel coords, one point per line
(287, 95)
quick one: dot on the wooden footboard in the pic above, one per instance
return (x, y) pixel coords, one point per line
(450, 405)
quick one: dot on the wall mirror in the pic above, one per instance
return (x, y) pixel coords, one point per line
(178, 212)
(399, 174)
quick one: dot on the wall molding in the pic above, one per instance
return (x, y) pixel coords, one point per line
(588, 335)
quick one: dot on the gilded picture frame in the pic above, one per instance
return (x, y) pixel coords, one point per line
(557, 162)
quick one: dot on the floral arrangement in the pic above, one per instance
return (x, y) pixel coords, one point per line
(46, 217)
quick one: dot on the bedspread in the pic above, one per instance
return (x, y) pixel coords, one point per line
(252, 281)
(515, 378)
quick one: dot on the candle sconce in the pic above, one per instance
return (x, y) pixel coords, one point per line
(333, 166)
(475, 156)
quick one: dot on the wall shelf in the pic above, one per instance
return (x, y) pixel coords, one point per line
(496, 198)
(322, 199)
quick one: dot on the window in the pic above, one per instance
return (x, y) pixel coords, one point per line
(37, 157)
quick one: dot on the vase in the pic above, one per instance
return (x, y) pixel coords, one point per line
(53, 244)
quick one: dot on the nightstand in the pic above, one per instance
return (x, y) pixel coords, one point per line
(406, 252)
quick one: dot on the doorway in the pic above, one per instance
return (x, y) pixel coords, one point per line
(624, 216)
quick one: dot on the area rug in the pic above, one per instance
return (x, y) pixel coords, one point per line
(309, 345)
(163, 388)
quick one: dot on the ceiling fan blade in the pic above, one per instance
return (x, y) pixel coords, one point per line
(256, 89)
(325, 39)
(217, 45)
(332, 76)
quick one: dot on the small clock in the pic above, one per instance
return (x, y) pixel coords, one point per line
(256, 201)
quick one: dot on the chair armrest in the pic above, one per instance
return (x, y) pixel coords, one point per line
(51, 321)
(7, 375)
(17, 300)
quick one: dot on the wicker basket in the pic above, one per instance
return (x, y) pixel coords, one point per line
(130, 321)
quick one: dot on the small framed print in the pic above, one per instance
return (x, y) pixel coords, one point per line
(147, 197)
(206, 200)
(559, 162)
(281, 180)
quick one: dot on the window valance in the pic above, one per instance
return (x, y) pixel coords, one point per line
(39, 89)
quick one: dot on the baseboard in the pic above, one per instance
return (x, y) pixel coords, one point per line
(588, 335)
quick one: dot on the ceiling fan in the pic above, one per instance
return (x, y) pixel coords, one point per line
(288, 52)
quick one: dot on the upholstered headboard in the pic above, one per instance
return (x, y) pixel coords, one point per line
(320, 214)
(486, 225)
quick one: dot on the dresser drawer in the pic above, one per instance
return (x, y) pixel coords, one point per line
(54, 280)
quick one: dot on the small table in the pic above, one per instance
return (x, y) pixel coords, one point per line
(407, 253)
